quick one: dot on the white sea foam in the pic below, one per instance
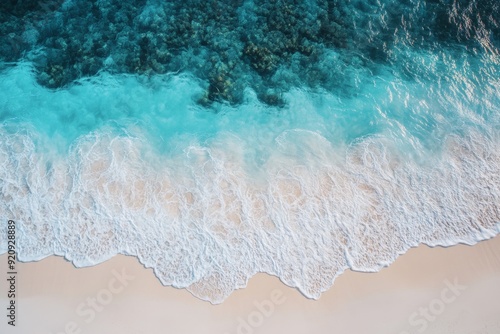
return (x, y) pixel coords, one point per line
(247, 190)
(203, 222)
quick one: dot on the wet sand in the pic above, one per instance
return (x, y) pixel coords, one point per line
(427, 290)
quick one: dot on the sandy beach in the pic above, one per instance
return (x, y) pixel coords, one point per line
(431, 290)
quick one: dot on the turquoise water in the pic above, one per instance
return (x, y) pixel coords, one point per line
(374, 132)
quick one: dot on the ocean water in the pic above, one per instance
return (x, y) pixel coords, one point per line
(215, 140)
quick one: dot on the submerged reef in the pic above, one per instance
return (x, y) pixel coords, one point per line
(268, 46)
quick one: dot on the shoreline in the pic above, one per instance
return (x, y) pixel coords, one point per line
(432, 290)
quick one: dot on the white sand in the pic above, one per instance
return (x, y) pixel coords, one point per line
(53, 297)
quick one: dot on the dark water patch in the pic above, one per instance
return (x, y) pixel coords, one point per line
(269, 46)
